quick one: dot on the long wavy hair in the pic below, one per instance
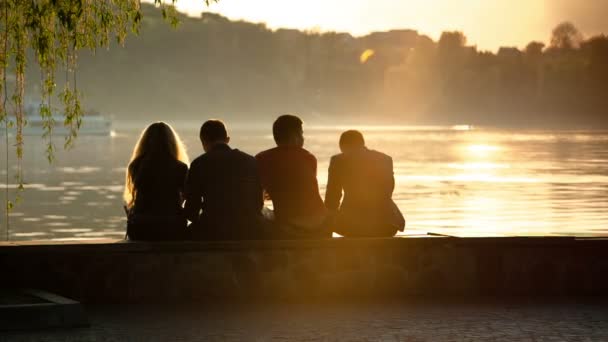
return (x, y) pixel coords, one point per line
(157, 144)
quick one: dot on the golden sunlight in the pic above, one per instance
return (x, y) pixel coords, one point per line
(462, 127)
(366, 55)
(481, 150)
(487, 24)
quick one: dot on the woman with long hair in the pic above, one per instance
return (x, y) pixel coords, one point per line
(154, 185)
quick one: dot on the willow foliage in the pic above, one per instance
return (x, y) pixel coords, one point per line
(55, 30)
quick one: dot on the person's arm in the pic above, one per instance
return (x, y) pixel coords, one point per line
(392, 183)
(259, 190)
(183, 175)
(333, 192)
(263, 177)
(312, 160)
(193, 193)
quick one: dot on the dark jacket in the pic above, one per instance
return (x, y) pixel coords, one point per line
(289, 176)
(224, 183)
(157, 213)
(159, 185)
(366, 177)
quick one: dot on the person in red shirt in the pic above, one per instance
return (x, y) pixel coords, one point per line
(288, 174)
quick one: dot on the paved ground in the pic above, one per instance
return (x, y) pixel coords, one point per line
(413, 320)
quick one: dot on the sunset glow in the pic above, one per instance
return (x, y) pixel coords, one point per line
(487, 24)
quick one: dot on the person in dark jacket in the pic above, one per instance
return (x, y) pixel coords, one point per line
(289, 177)
(366, 178)
(223, 192)
(154, 184)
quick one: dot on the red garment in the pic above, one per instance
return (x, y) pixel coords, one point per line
(289, 176)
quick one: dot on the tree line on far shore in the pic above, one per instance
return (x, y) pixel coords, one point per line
(212, 66)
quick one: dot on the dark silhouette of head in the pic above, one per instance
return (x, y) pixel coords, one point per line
(157, 143)
(351, 140)
(287, 131)
(213, 132)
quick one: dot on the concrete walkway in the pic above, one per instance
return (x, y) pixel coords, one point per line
(573, 319)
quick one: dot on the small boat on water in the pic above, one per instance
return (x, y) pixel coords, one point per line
(93, 123)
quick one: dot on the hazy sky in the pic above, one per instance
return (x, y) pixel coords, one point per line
(487, 23)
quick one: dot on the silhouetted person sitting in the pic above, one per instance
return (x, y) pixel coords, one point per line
(366, 177)
(154, 184)
(289, 176)
(224, 183)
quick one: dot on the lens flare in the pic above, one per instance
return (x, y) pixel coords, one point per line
(366, 55)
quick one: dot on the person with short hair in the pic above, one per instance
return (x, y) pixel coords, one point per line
(366, 178)
(224, 184)
(288, 173)
(154, 185)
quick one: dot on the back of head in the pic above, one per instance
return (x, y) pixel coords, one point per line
(159, 141)
(351, 140)
(157, 144)
(285, 128)
(213, 131)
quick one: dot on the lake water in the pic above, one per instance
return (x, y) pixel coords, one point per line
(454, 181)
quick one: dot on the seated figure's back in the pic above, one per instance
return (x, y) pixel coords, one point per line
(154, 185)
(289, 176)
(227, 180)
(366, 178)
(224, 184)
(159, 187)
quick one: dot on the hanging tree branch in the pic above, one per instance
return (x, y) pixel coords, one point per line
(3, 111)
(55, 30)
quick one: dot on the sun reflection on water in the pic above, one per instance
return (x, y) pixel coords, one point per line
(461, 181)
(478, 166)
(481, 150)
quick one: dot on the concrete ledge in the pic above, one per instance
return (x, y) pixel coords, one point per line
(118, 271)
(29, 309)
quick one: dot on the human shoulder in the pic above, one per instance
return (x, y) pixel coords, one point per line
(197, 161)
(379, 154)
(243, 155)
(182, 169)
(266, 153)
(134, 164)
(182, 166)
(336, 159)
(307, 154)
(381, 158)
